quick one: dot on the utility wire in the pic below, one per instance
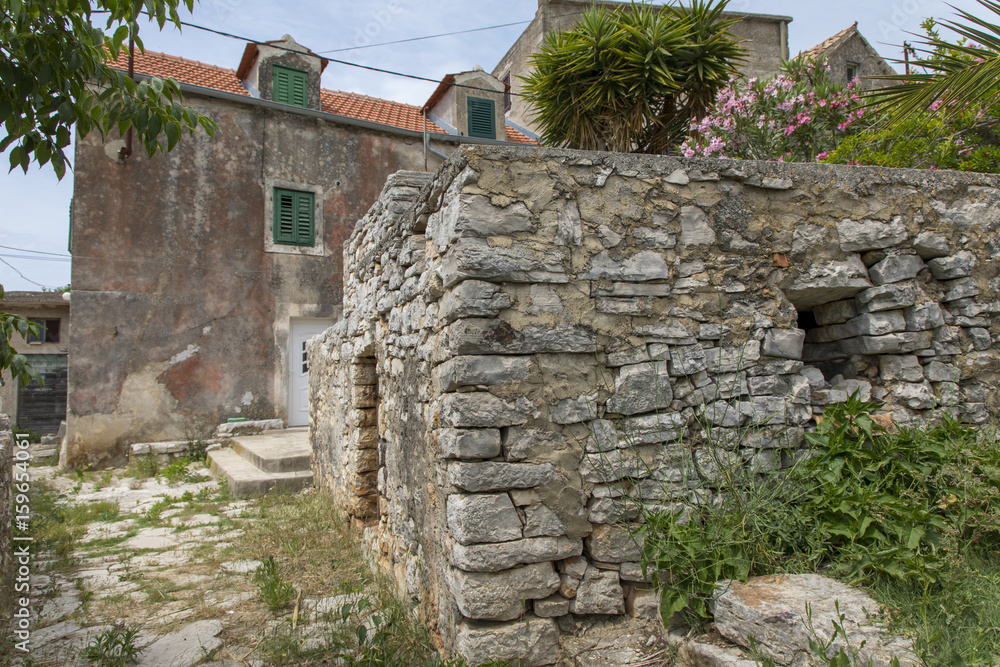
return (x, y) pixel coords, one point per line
(36, 258)
(417, 39)
(39, 252)
(26, 277)
(339, 62)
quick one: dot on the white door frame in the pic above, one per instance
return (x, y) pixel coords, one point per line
(300, 330)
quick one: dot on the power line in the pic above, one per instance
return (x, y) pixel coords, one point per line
(26, 277)
(417, 39)
(339, 62)
(39, 252)
(36, 258)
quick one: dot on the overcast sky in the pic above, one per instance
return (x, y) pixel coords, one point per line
(34, 208)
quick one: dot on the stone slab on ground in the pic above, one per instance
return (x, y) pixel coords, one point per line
(240, 566)
(773, 609)
(185, 647)
(614, 642)
(700, 654)
(251, 427)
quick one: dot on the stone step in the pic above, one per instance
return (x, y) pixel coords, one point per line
(280, 451)
(246, 480)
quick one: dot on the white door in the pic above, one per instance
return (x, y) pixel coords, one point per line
(298, 369)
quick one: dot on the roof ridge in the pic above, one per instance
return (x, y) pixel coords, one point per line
(830, 41)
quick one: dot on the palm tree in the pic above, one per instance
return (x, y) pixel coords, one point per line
(632, 79)
(956, 73)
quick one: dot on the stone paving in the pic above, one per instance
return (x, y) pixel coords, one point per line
(167, 565)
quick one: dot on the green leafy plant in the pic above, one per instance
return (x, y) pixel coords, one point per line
(145, 466)
(57, 78)
(153, 513)
(11, 359)
(944, 114)
(866, 504)
(275, 592)
(631, 79)
(198, 450)
(33, 437)
(115, 647)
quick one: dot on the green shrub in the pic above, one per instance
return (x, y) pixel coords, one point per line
(145, 466)
(865, 504)
(115, 647)
(274, 591)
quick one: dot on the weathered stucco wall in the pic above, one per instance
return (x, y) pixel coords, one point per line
(537, 337)
(180, 312)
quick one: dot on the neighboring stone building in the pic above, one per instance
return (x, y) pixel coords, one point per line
(764, 36)
(533, 342)
(198, 275)
(39, 407)
(851, 58)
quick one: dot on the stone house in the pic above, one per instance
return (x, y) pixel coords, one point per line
(765, 38)
(851, 58)
(39, 407)
(551, 338)
(198, 275)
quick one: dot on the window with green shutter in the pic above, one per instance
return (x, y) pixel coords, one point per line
(291, 86)
(482, 114)
(293, 217)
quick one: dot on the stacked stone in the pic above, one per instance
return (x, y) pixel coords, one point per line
(537, 345)
(914, 328)
(344, 386)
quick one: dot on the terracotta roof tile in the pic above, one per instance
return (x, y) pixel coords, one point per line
(376, 110)
(186, 71)
(829, 43)
(516, 137)
(352, 105)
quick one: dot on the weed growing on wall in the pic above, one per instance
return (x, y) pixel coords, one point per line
(896, 511)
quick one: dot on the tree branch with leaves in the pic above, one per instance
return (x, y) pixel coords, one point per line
(11, 359)
(57, 75)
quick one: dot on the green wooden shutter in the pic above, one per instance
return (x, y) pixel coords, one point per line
(304, 206)
(293, 217)
(300, 89)
(482, 118)
(291, 86)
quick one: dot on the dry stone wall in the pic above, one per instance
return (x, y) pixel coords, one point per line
(535, 341)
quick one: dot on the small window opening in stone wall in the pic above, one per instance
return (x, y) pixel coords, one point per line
(828, 357)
